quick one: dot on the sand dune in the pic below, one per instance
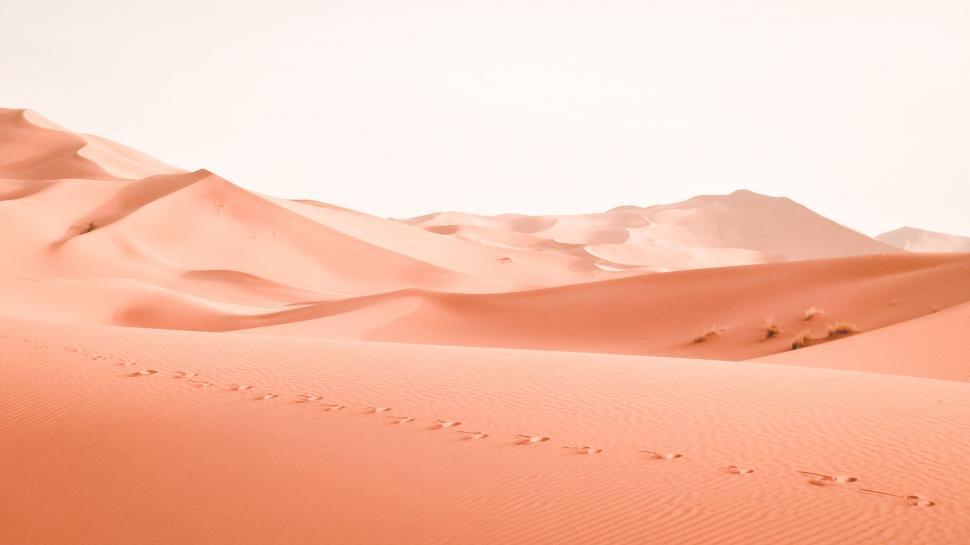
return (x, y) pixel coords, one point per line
(245, 452)
(666, 314)
(919, 240)
(32, 147)
(185, 361)
(932, 346)
(72, 195)
(95, 247)
(706, 231)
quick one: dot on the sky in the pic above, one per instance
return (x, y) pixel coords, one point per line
(856, 108)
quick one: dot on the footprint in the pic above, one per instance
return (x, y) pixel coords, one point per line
(143, 373)
(333, 407)
(266, 396)
(662, 456)
(376, 410)
(531, 439)
(913, 500)
(918, 501)
(472, 435)
(586, 450)
(183, 374)
(440, 424)
(821, 479)
(200, 383)
(307, 398)
(239, 387)
(738, 470)
(400, 419)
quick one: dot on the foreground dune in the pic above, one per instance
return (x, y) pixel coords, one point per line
(109, 446)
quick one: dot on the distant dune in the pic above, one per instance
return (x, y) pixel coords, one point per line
(186, 361)
(709, 231)
(919, 240)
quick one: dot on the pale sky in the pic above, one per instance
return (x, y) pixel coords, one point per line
(859, 109)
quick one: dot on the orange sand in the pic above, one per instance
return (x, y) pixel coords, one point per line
(184, 361)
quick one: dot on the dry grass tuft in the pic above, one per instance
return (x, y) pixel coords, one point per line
(801, 340)
(811, 312)
(842, 328)
(707, 334)
(771, 329)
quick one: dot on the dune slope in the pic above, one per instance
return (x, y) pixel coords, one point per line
(111, 446)
(81, 207)
(665, 314)
(932, 346)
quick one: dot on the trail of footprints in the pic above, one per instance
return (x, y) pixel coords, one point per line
(193, 379)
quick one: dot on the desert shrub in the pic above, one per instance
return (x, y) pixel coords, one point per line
(771, 329)
(705, 335)
(801, 340)
(842, 328)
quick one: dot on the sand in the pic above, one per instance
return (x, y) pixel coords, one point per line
(185, 361)
(105, 453)
(933, 346)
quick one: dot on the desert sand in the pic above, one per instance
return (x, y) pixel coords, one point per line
(185, 361)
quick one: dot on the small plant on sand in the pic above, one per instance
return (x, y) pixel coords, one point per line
(771, 329)
(801, 340)
(842, 328)
(705, 335)
(811, 312)
(88, 228)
